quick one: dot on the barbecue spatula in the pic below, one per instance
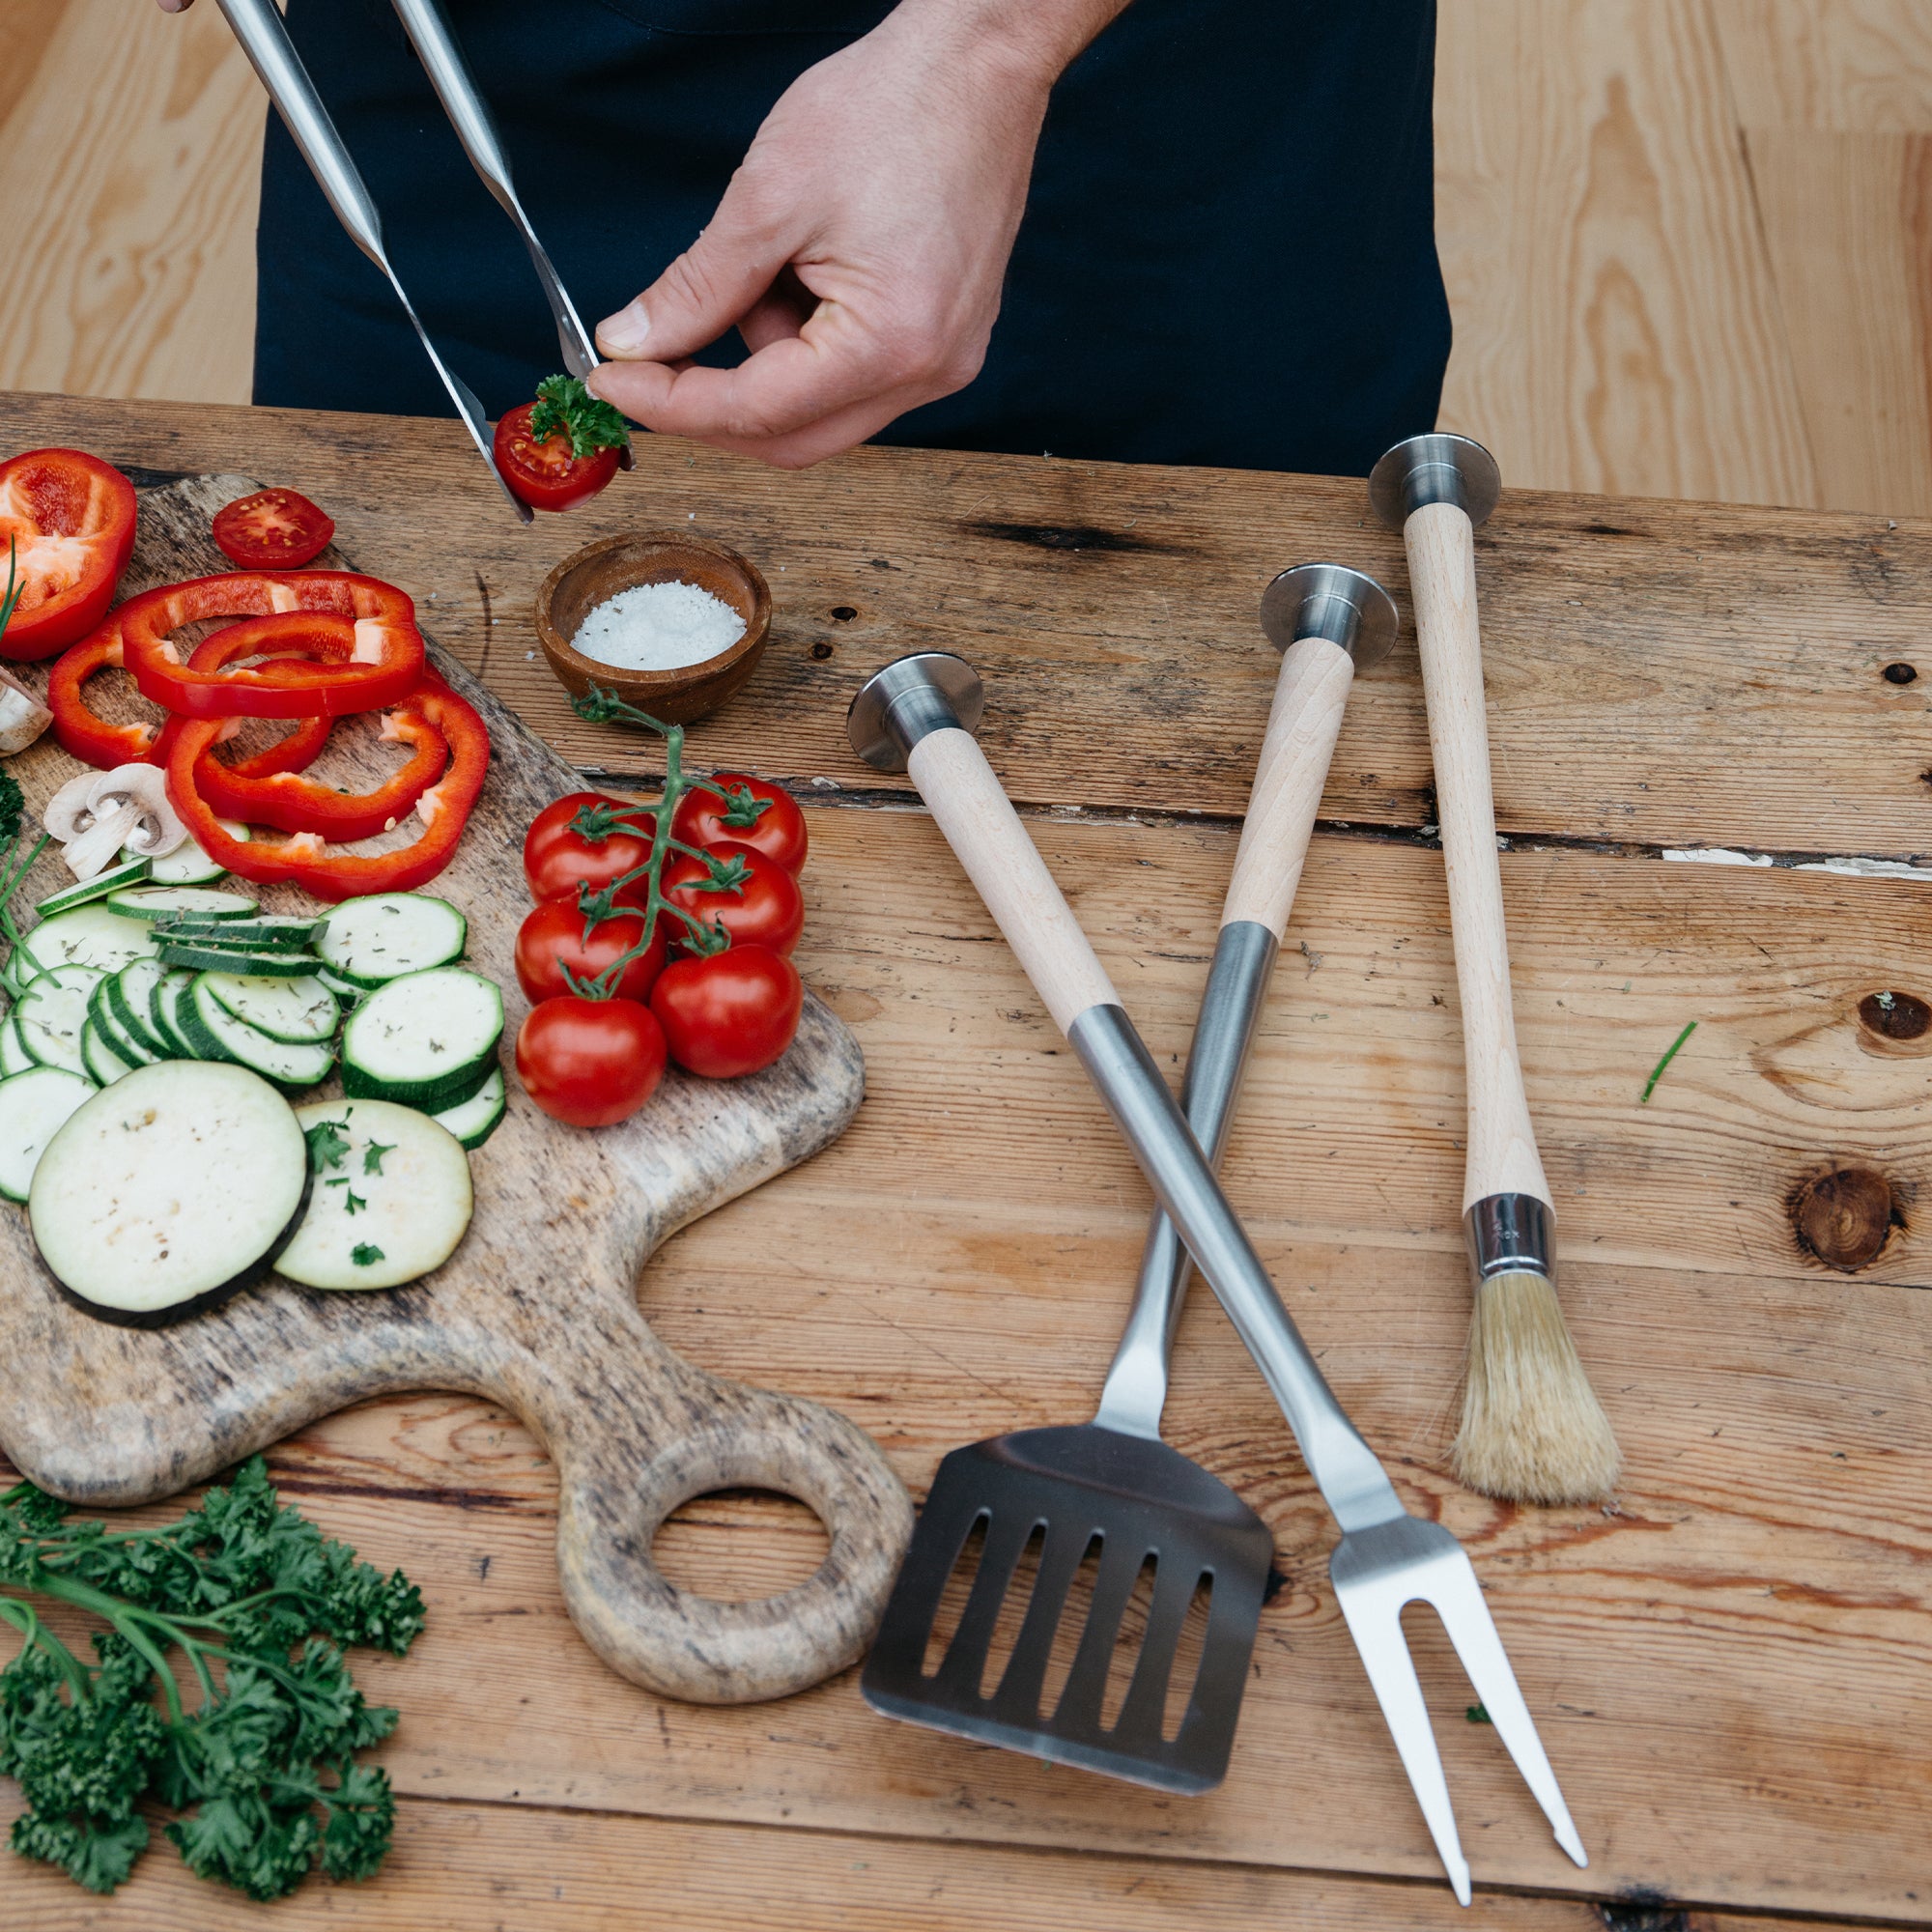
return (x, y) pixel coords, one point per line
(1112, 1480)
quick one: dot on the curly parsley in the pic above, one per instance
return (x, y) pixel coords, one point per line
(565, 405)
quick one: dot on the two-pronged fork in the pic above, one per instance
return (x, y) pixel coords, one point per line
(915, 714)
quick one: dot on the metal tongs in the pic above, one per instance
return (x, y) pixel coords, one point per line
(264, 39)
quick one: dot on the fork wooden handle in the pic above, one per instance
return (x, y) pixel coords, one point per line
(1502, 1156)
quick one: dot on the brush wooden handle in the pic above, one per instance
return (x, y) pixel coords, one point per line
(970, 808)
(1310, 695)
(1502, 1156)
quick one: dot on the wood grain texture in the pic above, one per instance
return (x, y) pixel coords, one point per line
(1616, 321)
(535, 1308)
(1846, 66)
(129, 169)
(1644, 661)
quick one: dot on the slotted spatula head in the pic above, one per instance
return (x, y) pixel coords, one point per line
(1138, 1499)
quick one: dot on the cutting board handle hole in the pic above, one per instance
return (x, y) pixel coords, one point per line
(734, 1545)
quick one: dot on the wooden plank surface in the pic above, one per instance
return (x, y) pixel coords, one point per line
(1731, 1670)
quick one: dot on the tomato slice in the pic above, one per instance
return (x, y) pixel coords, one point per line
(72, 519)
(274, 530)
(548, 476)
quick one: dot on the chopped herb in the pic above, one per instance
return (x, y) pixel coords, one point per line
(365, 1254)
(11, 806)
(1476, 1715)
(372, 1157)
(351, 1202)
(1657, 1071)
(563, 404)
(327, 1145)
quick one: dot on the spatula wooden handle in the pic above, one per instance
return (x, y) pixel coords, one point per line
(1502, 1156)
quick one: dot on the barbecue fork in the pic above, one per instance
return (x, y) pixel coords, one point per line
(919, 713)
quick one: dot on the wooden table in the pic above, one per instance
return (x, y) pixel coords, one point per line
(1731, 1666)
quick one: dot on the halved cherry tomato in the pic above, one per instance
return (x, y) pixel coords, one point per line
(274, 530)
(586, 840)
(730, 1013)
(766, 910)
(776, 826)
(590, 1063)
(72, 519)
(552, 938)
(548, 476)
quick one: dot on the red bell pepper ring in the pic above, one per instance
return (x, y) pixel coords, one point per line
(72, 519)
(291, 803)
(362, 628)
(83, 733)
(305, 859)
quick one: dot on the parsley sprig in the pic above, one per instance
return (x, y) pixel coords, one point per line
(565, 405)
(261, 1771)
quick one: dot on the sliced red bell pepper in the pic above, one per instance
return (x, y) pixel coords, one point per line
(72, 519)
(362, 630)
(305, 859)
(291, 803)
(85, 734)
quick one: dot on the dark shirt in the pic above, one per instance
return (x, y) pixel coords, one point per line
(1228, 255)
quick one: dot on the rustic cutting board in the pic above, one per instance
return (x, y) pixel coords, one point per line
(535, 1309)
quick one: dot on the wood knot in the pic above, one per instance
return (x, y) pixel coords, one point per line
(1845, 1217)
(1900, 673)
(1641, 1912)
(1894, 1015)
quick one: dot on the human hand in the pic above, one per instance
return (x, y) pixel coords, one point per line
(860, 247)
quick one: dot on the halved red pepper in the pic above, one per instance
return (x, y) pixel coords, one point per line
(363, 630)
(85, 734)
(291, 803)
(72, 519)
(305, 859)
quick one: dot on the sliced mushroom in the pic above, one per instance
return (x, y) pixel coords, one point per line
(156, 829)
(66, 815)
(98, 847)
(22, 716)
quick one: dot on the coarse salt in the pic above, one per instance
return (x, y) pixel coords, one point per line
(657, 627)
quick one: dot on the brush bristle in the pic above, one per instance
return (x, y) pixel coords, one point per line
(1533, 1430)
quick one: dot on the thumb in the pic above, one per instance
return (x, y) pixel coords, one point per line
(703, 294)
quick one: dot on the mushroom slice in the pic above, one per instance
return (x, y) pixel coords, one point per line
(66, 815)
(22, 716)
(157, 830)
(92, 851)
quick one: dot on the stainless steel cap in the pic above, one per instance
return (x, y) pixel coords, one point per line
(1435, 469)
(930, 691)
(1329, 600)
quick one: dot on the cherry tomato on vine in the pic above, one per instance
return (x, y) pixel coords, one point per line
(558, 856)
(766, 910)
(779, 831)
(590, 1063)
(547, 474)
(552, 938)
(729, 1013)
(274, 530)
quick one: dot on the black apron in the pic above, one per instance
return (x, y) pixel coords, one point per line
(1228, 255)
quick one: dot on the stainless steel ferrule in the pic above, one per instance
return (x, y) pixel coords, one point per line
(1510, 1234)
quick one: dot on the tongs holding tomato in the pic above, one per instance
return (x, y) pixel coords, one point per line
(264, 39)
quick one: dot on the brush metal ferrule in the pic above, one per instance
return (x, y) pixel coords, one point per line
(1510, 1234)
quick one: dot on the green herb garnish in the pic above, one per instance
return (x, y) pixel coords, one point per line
(565, 405)
(352, 1203)
(1657, 1071)
(372, 1157)
(262, 1772)
(365, 1254)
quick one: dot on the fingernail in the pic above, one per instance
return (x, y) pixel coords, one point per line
(624, 334)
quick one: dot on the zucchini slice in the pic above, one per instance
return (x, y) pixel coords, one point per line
(130, 994)
(113, 1034)
(199, 958)
(103, 1064)
(169, 1191)
(215, 1033)
(428, 1039)
(388, 1208)
(90, 935)
(299, 1010)
(267, 934)
(159, 901)
(34, 1107)
(473, 1121)
(162, 1000)
(128, 872)
(187, 865)
(14, 1056)
(51, 1013)
(371, 941)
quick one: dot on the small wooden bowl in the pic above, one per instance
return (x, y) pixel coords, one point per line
(599, 571)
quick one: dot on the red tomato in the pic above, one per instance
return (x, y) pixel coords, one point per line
(70, 518)
(777, 831)
(731, 1013)
(552, 938)
(548, 476)
(767, 910)
(562, 852)
(590, 1063)
(274, 530)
